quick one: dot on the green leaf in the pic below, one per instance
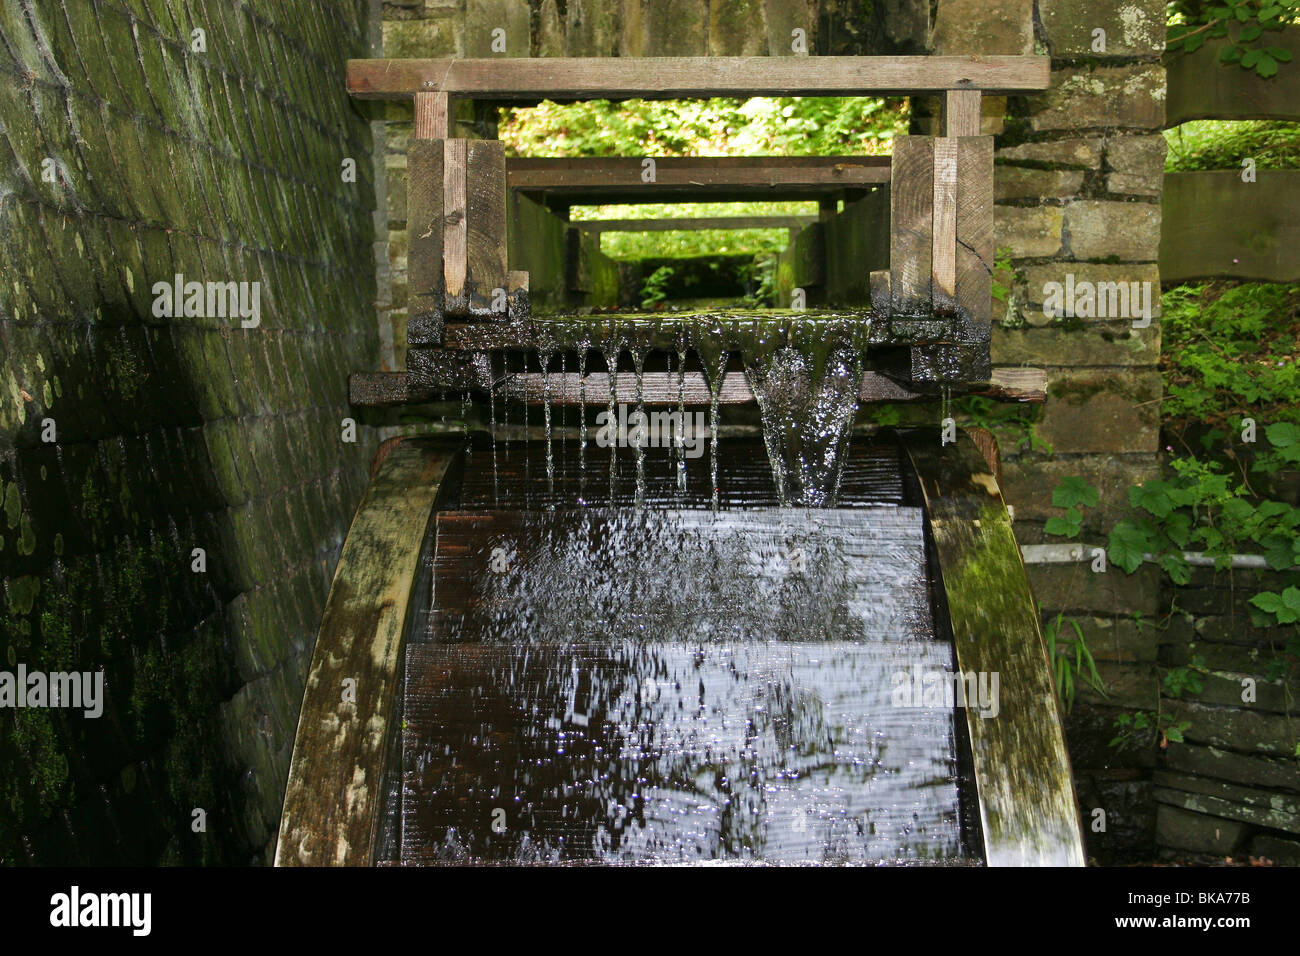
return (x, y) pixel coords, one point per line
(1229, 54)
(1266, 67)
(1283, 434)
(1153, 496)
(1073, 490)
(1279, 551)
(1281, 54)
(1251, 32)
(1175, 565)
(1251, 57)
(1127, 545)
(1067, 526)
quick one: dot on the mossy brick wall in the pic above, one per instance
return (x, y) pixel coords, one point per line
(1231, 787)
(223, 164)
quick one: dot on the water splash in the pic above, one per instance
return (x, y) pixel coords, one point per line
(638, 362)
(808, 407)
(681, 415)
(610, 349)
(544, 358)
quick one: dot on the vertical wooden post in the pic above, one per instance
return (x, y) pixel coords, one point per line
(943, 257)
(961, 113)
(911, 204)
(432, 115)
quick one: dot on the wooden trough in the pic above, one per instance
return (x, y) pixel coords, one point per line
(928, 303)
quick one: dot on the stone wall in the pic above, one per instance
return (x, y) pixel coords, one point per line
(133, 149)
(1078, 180)
(1231, 787)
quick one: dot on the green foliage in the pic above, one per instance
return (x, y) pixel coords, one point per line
(655, 287)
(1282, 608)
(1227, 347)
(1071, 660)
(1222, 144)
(1186, 680)
(760, 126)
(1143, 727)
(1002, 270)
(1249, 27)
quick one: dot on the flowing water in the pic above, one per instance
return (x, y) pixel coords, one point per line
(808, 413)
(676, 683)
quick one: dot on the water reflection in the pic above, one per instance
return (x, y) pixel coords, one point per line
(677, 686)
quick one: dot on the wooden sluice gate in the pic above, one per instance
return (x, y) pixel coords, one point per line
(564, 651)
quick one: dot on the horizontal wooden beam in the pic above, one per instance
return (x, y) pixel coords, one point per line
(662, 78)
(691, 225)
(600, 180)
(661, 388)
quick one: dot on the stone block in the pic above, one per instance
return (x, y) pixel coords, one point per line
(427, 38)
(1100, 411)
(1122, 97)
(1136, 164)
(1011, 183)
(1100, 229)
(1030, 231)
(985, 27)
(1132, 28)
(1178, 829)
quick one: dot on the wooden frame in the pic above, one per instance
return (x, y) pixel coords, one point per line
(662, 78)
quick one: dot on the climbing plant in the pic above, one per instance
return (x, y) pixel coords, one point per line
(1248, 27)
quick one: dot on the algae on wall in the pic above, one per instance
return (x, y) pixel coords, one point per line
(138, 149)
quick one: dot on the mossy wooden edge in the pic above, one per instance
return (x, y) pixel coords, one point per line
(333, 800)
(1028, 810)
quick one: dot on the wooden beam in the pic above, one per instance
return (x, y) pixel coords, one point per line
(911, 219)
(581, 78)
(703, 222)
(425, 231)
(618, 179)
(431, 115)
(975, 252)
(943, 251)
(1200, 87)
(961, 112)
(334, 800)
(474, 232)
(661, 388)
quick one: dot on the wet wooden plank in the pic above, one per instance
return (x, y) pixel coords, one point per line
(974, 249)
(578, 78)
(911, 215)
(1028, 810)
(425, 231)
(334, 797)
(943, 252)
